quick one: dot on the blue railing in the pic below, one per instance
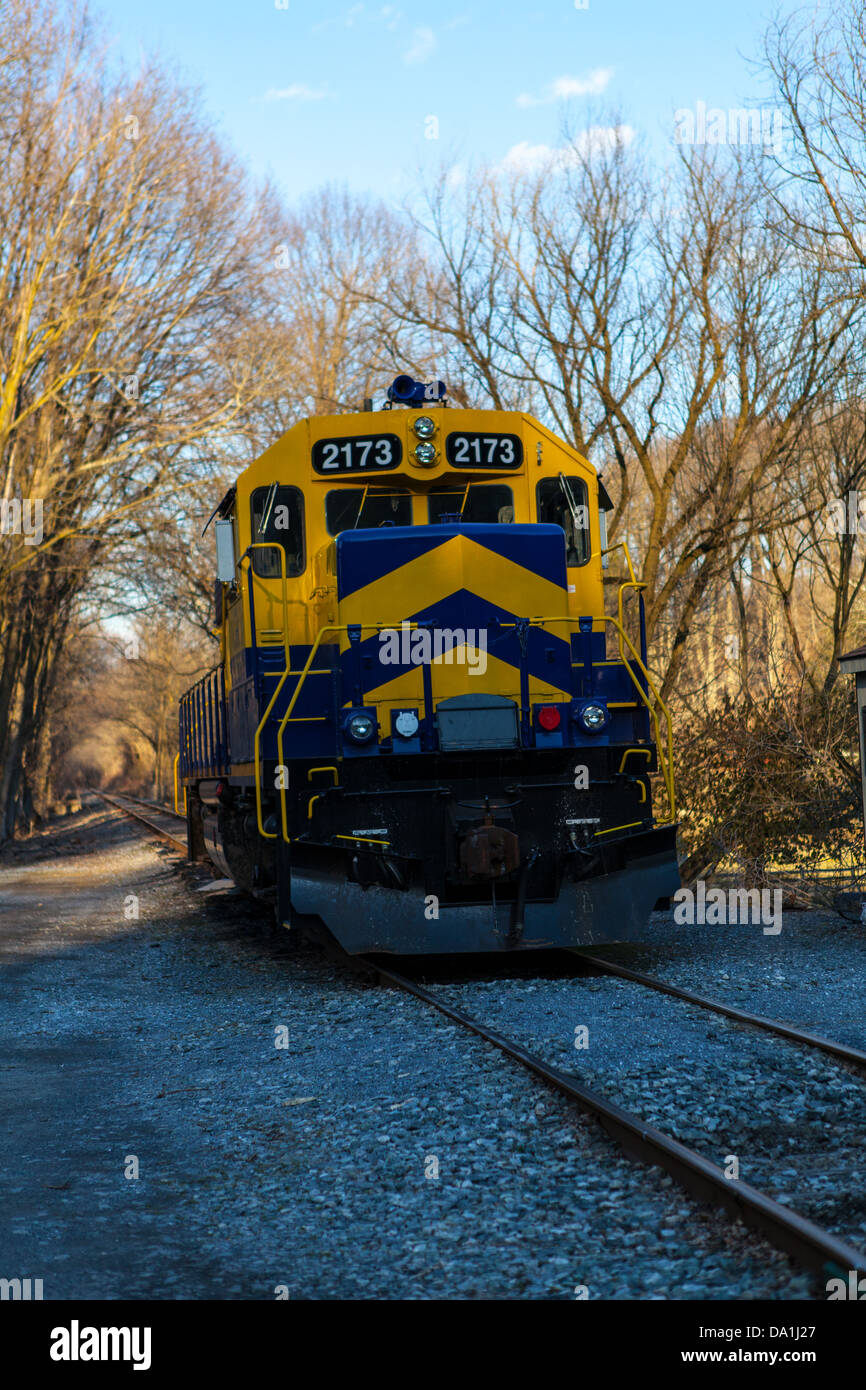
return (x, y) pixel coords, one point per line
(204, 750)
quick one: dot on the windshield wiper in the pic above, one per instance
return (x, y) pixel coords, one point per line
(572, 505)
(361, 508)
(269, 507)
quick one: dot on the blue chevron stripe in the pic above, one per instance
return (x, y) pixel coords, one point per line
(364, 556)
(537, 548)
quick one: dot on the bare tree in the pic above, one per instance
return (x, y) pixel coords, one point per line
(659, 323)
(817, 61)
(129, 245)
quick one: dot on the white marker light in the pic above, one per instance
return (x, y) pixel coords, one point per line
(406, 723)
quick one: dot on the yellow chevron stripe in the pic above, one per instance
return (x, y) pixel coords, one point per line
(500, 678)
(458, 564)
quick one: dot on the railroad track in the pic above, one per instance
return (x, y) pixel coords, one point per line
(814, 1247)
(161, 820)
(841, 1051)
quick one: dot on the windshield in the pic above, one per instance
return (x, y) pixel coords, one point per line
(349, 508)
(483, 502)
(281, 509)
(563, 502)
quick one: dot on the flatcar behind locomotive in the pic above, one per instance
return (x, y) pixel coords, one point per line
(423, 729)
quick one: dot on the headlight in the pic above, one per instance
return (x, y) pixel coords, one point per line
(361, 728)
(406, 723)
(425, 454)
(424, 427)
(593, 717)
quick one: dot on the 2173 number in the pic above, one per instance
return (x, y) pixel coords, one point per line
(472, 450)
(356, 454)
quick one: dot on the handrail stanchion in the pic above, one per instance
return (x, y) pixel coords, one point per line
(664, 746)
(267, 545)
(291, 705)
(330, 627)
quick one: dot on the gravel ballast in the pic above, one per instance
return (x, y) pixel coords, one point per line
(382, 1152)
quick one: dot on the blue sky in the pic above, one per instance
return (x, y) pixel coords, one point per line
(328, 91)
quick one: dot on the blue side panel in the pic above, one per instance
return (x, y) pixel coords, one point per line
(366, 555)
(243, 717)
(615, 683)
(312, 731)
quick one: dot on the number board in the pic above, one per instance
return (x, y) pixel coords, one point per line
(477, 450)
(357, 454)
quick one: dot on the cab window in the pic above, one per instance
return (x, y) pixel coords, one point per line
(481, 502)
(350, 508)
(282, 510)
(562, 502)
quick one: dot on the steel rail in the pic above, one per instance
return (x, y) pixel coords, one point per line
(161, 806)
(145, 820)
(785, 1228)
(853, 1055)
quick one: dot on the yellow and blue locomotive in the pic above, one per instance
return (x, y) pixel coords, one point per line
(423, 730)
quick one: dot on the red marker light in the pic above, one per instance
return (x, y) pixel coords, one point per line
(549, 717)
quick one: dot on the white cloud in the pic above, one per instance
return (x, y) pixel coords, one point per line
(424, 42)
(532, 159)
(598, 139)
(388, 15)
(561, 88)
(524, 157)
(297, 92)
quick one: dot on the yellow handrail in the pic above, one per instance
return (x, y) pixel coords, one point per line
(666, 759)
(631, 583)
(268, 545)
(642, 752)
(176, 796)
(666, 763)
(637, 586)
(291, 705)
(331, 627)
(630, 825)
(664, 746)
(621, 545)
